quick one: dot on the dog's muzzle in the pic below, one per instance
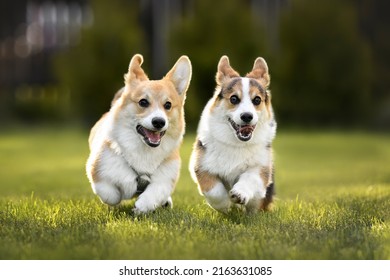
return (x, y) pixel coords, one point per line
(150, 137)
(243, 132)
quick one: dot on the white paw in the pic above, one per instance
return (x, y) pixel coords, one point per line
(239, 196)
(143, 207)
(168, 204)
(137, 211)
(107, 193)
(218, 198)
(221, 206)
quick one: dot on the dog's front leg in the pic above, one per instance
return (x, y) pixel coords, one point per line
(213, 190)
(112, 191)
(158, 192)
(112, 180)
(218, 197)
(249, 189)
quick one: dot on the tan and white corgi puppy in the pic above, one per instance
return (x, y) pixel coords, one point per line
(135, 146)
(232, 156)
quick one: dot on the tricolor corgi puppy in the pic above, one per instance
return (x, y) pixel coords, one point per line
(232, 157)
(135, 146)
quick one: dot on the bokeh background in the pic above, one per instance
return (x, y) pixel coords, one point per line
(62, 61)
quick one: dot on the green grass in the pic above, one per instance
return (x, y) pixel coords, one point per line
(333, 201)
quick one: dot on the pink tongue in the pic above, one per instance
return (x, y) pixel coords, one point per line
(153, 136)
(246, 130)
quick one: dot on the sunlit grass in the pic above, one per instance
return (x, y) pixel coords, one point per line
(333, 201)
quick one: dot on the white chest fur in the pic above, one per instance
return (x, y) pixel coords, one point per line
(230, 162)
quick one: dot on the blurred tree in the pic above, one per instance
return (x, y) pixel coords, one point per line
(213, 29)
(323, 69)
(93, 71)
(375, 26)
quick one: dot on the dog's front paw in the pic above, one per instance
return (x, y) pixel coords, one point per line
(137, 211)
(142, 207)
(142, 210)
(238, 196)
(168, 204)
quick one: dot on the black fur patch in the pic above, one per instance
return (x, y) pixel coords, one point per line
(270, 191)
(142, 183)
(200, 145)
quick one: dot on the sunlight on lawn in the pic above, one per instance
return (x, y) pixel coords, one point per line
(333, 195)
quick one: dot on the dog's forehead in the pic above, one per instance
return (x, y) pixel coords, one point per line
(155, 90)
(255, 84)
(234, 83)
(239, 84)
(155, 87)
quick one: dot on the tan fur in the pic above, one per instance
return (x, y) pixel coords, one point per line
(94, 170)
(227, 169)
(266, 175)
(205, 180)
(266, 204)
(135, 74)
(123, 143)
(260, 72)
(225, 71)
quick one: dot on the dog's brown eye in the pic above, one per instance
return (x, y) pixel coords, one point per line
(167, 105)
(234, 99)
(256, 101)
(143, 103)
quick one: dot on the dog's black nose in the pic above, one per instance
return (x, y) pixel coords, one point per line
(246, 117)
(158, 123)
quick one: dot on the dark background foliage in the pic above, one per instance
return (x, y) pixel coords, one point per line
(329, 60)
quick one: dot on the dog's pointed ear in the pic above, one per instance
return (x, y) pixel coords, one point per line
(135, 73)
(225, 71)
(260, 72)
(180, 74)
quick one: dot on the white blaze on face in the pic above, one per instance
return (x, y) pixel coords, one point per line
(153, 125)
(246, 105)
(147, 122)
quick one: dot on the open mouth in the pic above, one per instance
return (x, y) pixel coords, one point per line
(151, 137)
(243, 132)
